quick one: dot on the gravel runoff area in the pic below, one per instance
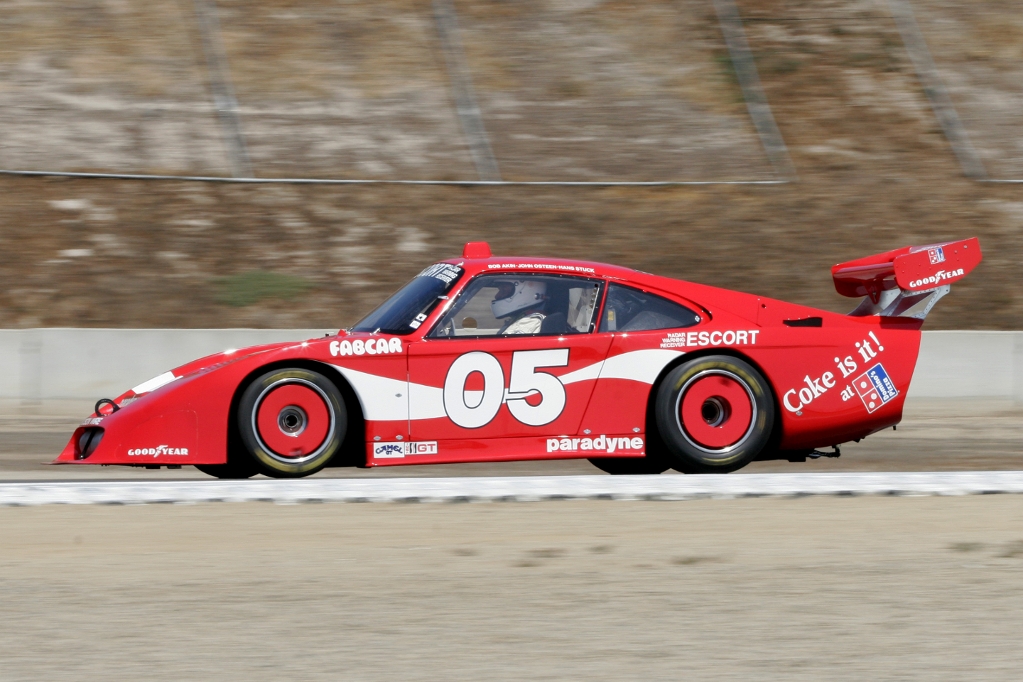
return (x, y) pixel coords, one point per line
(838, 588)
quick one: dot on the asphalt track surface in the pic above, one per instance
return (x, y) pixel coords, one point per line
(837, 588)
(966, 437)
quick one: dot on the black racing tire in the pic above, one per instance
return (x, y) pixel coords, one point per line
(231, 470)
(292, 421)
(714, 414)
(630, 466)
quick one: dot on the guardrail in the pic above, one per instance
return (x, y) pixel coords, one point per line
(64, 371)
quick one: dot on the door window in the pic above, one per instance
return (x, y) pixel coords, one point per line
(632, 310)
(521, 304)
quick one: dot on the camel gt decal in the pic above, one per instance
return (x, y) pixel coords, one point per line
(398, 450)
(875, 388)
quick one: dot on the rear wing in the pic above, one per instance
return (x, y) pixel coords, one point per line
(906, 282)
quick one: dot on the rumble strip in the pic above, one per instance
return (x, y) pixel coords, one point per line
(514, 489)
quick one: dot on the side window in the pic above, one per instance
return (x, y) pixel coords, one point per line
(631, 310)
(510, 304)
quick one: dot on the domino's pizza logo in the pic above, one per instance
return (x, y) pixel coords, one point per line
(937, 255)
(875, 387)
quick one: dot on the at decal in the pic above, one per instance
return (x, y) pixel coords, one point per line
(472, 409)
(366, 346)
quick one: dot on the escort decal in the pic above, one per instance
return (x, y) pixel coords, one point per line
(741, 337)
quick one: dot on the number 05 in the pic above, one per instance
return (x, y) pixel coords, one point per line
(471, 410)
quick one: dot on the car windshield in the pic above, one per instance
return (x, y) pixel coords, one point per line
(409, 307)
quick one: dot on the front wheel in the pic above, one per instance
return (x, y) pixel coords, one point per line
(292, 422)
(714, 414)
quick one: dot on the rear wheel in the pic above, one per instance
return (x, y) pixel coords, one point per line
(292, 422)
(714, 414)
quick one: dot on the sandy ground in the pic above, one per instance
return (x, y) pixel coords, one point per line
(932, 437)
(792, 589)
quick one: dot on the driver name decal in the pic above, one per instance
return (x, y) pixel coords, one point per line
(366, 346)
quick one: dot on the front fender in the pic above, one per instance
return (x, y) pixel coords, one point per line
(184, 422)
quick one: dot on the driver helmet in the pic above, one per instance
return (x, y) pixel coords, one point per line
(514, 295)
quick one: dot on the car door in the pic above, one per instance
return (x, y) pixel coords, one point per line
(470, 378)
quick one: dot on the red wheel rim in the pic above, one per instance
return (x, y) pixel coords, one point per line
(293, 420)
(716, 411)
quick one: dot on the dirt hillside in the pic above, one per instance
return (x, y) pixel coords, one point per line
(567, 90)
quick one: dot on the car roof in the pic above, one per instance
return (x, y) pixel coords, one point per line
(558, 266)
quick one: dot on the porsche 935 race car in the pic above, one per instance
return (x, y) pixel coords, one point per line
(483, 358)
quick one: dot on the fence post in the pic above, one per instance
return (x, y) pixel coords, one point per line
(220, 84)
(468, 110)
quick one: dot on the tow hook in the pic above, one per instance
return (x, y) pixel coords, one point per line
(817, 454)
(114, 407)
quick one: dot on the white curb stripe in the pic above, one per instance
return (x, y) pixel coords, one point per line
(524, 488)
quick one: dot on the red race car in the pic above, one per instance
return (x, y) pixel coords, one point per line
(483, 359)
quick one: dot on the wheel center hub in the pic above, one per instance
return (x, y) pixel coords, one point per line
(292, 420)
(715, 411)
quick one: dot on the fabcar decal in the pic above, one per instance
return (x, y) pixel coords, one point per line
(158, 451)
(874, 386)
(396, 450)
(741, 337)
(382, 346)
(597, 444)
